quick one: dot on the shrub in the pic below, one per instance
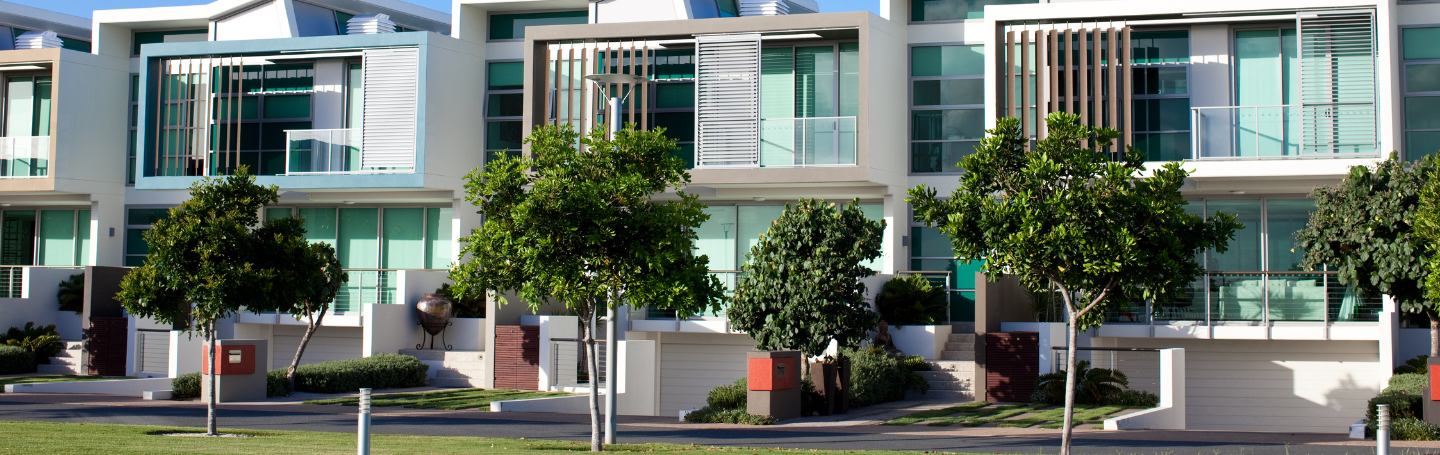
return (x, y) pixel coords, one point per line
(811, 401)
(910, 300)
(877, 377)
(1132, 398)
(381, 371)
(1407, 383)
(1419, 364)
(1411, 429)
(916, 363)
(464, 308)
(16, 360)
(732, 396)
(738, 415)
(185, 386)
(1095, 386)
(43, 341)
(71, 293)
(275, 383)
(1403, 405)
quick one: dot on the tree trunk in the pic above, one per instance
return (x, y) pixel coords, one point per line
(304, 340)
(210, 399)
(1066, 428)
(587, 329)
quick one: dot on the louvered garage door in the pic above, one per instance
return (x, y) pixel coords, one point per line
(392, 78)
(727, 93)
(1337, 81)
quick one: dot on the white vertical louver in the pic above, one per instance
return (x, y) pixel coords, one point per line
(1337, 81)
(38, 40)
(389, 120)
(727, 100)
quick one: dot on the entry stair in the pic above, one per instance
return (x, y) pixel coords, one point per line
(67, 361)
(451, 368)
(952, 376)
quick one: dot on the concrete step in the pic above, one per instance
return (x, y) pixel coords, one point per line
(454, 382)
(57, 369)
(946, 375)
(959, 396)
(73, 345)
(953, 365)
(957, 355)
(962, 338)
(447, 373)
(962, 327)
(70, 353)
(960, 346)
(951, 385)
(57, 360)
(448, 356)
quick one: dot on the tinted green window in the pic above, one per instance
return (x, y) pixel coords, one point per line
(512, 26)
(949, 92)
(404, 238)
(939, 156)
(674, 64)
(437, 238)
(1164, 146)
(226, 108)
(358, 243)
(342, 22)
(1422, 78)
(57, 237)
(147, 216)
(815, 81)
(953, 124)
(674, 96)
(506, 76)
(1244, 251)
(503, 135)
(686, 153)
(1171, 114)
(928, 242)
(849, 79)
(19, 245)
(728, 8)
(319, 225)
(1160, 81)
(142, 38)
(755, 221)
(1422, 112)
(1421, 143)
(286, 106)
(716, 237)
(1284, 218)
(135, 242)
(75, 45)
(949, 10)
(1160, 47)
(505, 105)
(679, 126)
(273, 134)
(82, 238)
(1420, 43)
(947, 61)
(273, 213)
(289, 78)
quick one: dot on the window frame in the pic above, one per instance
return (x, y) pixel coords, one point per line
(1188, 96)
(486, 118)
(1404, 89)
(910, 141)
(489, 24)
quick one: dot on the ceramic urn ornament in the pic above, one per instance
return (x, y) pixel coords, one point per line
(434, 311)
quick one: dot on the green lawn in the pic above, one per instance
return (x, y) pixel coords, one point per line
(61, 438)
(1007, 415)
(49, 378)
(477, 399)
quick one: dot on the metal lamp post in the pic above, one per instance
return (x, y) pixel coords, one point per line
(612, 117)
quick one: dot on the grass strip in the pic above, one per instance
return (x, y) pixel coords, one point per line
(457, 399)
(921, 416)
(61, 439)
(4, 380)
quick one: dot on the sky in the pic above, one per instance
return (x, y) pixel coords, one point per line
(83, 8)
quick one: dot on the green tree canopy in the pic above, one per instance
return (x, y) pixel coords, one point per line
(800, 287)
(1097, 228)
(581, 226)
(312, 279)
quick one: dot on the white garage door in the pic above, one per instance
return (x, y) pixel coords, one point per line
(1291, 386)
(328, 343)
(697, 363)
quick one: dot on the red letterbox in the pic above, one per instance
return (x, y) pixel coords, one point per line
(231, 360)
(769, 374)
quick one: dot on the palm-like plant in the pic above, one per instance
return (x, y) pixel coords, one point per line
(1092, 385)
(1419, 364)
(72, 293)
(910, 300)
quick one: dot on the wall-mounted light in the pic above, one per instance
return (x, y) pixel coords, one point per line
(112, 232)
(348, 202)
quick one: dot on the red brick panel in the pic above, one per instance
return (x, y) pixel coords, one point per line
(517, 357)
(106, 344)
(1012, 363)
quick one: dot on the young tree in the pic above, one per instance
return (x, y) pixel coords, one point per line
(204, 264)
(580, 226)
(1073, 217)
(1367, 229)
(311, 278)
(800, 287)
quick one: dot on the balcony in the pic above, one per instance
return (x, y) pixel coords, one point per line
(807, 142)
(1258, 298)
(24, 157)
(647, 319)
(1282, 132)
(331, 152)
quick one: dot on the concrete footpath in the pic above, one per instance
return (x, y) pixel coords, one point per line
(853, 432)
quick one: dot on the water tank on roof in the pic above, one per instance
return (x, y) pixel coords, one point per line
(38, 40)
(369, 24)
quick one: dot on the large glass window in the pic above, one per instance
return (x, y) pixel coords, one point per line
(947, 106)
(730, 233)
(809, 97)
(951, 10)
(27, 115)
(1421, 80)
(504, 102)
(137, 221)
(512, 26)
(168, 36)
(1267, 71)
(253, 108)
(1161, 94)
(931, 251)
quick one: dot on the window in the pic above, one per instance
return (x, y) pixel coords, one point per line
(954, 10)
(931, 251)
(134, 129)
(27, 126)
(45, 237)
(1421, 81)
(137, 221)
(512, 26)
(387, 238)
(504, 103)
(673, 108)
(1160, 78)
(947, 106)
(809, 98)
(171, 36)
(253, 108)
(1267, 69)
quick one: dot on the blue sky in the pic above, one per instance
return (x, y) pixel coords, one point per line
(83, 8)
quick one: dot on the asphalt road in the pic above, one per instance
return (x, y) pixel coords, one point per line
(292, 416)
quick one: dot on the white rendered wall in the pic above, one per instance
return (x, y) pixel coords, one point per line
(692, 364)
(266, 21)
(329, 97)
(635, 11)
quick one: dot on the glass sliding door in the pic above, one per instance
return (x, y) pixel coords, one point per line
(17, 237)
(777, 101)
(809, 98)
(1267, 71)
(27, 120)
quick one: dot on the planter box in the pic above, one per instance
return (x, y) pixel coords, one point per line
(923, 340)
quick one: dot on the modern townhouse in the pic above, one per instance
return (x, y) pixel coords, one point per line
(63, 129)
(1261, 101)
(354, 109)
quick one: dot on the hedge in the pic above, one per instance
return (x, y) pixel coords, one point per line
(16, 360)
(1403, 396)
(382, 371)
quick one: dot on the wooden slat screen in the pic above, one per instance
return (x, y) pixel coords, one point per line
(1077, 68)
(573, 100)
(517, 357)
(1012, 364)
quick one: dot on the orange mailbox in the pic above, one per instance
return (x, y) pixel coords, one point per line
(770, 374)
(773, 381)
(231, 360)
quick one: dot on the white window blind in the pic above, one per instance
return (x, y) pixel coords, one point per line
(727, 94)
(391, 92)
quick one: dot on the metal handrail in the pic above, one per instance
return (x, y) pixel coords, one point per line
(845, 152)
(38, 150)
(1198, 136)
